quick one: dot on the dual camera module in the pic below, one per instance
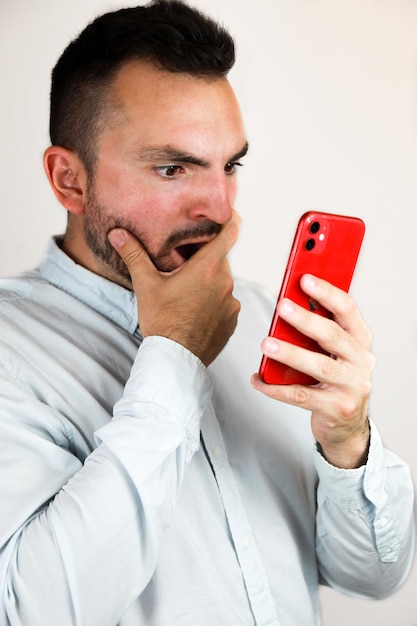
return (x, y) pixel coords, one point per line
(313, 229)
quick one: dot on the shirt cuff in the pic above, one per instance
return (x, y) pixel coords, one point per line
(163, 401)
(168, 375)
(364, 488)
(343, 486)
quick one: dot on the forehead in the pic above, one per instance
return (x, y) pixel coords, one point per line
(152, 101)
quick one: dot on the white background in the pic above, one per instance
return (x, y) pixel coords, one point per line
(328, 90)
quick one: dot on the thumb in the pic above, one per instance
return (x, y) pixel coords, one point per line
(221, 245)
(229, 233)
(131, 251)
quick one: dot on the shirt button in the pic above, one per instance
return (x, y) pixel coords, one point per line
(382, 523)
(246, 542)
(217, 452)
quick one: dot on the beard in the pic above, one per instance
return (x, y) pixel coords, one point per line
(99, 221)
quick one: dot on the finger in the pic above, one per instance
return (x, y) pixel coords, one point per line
(338, 405)
(319, 366)
(220, 246)
(341, 304)
(132, 252)
(349, 355)
(327, 333)
(303, 396)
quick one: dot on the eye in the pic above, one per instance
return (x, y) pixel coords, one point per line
(230, 168)
(168, 171)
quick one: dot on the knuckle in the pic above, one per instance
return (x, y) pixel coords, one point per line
(347, 408)
(366, 387)
(368, 337)
(348, 305)
(132, 256)
(329, 368)
(363, 385)
(334, 332)
(301, 395)
(234, 229)
(236, 305)
(371, 361)
(228, 283)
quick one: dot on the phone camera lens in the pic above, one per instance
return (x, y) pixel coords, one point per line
(315, 227)
(310, 243)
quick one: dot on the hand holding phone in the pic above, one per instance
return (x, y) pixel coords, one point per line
(327, 246)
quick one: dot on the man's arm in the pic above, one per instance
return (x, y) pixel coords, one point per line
(365, 524)
(193, 305)
(339, 404)
(79, 538)
(365, 495)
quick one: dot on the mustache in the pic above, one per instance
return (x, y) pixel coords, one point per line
(205, 229)
(160, 258)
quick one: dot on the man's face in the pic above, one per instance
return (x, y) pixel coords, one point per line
(166, 170)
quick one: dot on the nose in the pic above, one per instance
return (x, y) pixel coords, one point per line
(213, 199)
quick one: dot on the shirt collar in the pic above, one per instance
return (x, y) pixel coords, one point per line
(111, 300)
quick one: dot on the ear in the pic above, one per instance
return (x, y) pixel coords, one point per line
(67, 177)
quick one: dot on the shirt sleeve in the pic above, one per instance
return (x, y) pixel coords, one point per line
(365, 527)
(64, 524)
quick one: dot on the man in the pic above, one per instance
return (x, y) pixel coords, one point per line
(143, 479)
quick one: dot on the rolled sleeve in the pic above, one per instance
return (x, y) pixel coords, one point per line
(164, 398)
(365, 528)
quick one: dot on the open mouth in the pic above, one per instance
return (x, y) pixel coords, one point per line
(187, 250)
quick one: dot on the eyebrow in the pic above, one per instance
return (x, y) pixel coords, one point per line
(169, 154)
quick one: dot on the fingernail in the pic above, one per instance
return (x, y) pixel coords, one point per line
(309, 281)
(286, 307)
(117, 237)
(271, 346)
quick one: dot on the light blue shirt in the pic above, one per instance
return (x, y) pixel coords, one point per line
(138, 487)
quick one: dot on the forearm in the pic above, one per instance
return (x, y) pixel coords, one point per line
(83, 557)
(365, 528)
(351, 453)
(77, 561)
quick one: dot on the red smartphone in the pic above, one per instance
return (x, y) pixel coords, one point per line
(326, 246)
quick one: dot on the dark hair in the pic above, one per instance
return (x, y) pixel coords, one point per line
(168, 33)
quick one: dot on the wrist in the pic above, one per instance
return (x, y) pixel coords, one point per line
(351, 453)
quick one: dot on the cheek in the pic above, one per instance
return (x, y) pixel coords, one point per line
(233, 190)
(135, 198)
(151, 220)
(149, 209)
